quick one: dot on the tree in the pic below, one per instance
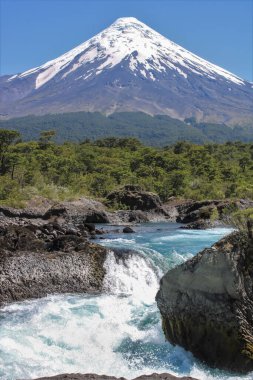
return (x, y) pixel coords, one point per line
(46, 138)
(243, 220)
(7, 138)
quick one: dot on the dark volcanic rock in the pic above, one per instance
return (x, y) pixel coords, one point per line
(154, 376)
(137, 216)
(206, 304)
(21, 213)
(200, 224)
(128, 230)
(38, 258)
(135, 199)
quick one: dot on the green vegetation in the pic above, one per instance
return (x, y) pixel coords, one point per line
(243, 221)
(95, 168)
(159, 130)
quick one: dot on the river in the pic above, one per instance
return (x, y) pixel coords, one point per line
(117, 333)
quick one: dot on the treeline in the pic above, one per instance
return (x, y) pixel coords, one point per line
(94, 168)
(159, 130)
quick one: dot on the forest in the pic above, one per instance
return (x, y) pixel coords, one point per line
(158, 130)
(94, 168)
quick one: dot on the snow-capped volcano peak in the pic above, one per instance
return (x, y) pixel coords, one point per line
(128, 41)
(130, 67)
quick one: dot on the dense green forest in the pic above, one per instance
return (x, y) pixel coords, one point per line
(94, 168)
(159, 130)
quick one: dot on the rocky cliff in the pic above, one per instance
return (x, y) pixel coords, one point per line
(35, 273)
(32, 265)
(206, 304)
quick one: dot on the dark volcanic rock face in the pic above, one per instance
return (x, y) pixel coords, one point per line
(31, 267)
(52, 254)
(206, 304)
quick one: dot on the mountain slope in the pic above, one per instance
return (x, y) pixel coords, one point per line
(129, 67)
(158, 130)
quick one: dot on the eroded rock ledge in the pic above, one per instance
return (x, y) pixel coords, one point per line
(41, 258)
(207, 304)
(154, 376)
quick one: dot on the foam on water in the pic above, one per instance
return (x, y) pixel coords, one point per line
(132, 275)
(118, 333)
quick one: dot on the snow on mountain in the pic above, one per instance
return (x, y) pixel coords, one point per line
(135, 60)
(126, 37)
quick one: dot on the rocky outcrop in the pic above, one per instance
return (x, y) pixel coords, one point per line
(35, 274)
(154, 376)
(83, 210)
(79, 211)
(204, 214)
(138, 206)
(206, 304)
(134, 198)
(37, 259)
(201, 224)
(75, 212)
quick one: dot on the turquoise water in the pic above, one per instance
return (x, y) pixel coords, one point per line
(116, 333)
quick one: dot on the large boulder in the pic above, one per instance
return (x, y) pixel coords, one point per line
(206, 304)
(79, 211)
(134, 198)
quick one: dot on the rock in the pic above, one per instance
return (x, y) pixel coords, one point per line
(130, 216)
(90, 226)
(135, 198)
(200, 224)
(21, 238)
(29, 213)
(128, 230)
(83, 210)
(203, 214)
(30, 274)
(209, 210)
(38, 258)
(206, 304)
(137, 216)
(100, 232)
(97, 217)
(89, 376)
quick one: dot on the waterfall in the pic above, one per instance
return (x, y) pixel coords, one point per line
(131, 273)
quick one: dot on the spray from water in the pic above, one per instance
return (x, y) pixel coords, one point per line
(130, 273)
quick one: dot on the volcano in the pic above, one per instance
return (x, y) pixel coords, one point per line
(129, 67)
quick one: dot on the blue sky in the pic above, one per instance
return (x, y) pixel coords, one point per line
(35, 31)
